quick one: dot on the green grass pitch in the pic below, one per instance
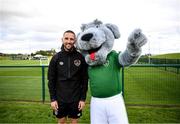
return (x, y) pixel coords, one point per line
(152, 95)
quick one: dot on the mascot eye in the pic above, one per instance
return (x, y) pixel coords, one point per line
(97, 26)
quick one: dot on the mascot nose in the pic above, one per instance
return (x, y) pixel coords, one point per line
(87, 37)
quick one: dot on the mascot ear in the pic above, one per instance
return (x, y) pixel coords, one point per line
(114, 30)
(83, 26)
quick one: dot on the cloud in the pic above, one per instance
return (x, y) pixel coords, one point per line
(29, 25)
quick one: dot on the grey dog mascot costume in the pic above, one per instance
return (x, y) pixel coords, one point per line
(95, 42)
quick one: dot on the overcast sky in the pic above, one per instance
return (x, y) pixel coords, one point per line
(30, 25)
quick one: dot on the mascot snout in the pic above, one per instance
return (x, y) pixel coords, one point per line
(87, 37)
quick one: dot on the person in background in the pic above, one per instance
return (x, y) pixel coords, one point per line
(68, 81)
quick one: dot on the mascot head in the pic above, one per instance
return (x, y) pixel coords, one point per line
(96, 40)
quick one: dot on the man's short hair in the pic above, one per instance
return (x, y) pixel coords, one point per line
(69, 31)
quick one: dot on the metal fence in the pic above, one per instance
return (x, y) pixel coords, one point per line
(23, 83)
(152, 85)
(142, 84)
(146, 60)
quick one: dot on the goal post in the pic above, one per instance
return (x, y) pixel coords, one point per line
(44, 61)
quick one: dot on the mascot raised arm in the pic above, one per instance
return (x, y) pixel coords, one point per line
(95, 41)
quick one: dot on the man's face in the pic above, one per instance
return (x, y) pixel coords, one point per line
(68, 40)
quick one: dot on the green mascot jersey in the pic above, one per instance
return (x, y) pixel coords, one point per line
(105, 80)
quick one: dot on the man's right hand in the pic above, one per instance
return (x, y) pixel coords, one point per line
(54, 105)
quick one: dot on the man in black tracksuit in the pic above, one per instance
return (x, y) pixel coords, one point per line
(68, 81)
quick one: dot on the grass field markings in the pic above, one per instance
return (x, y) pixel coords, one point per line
(18, 68)
(35, 77)
(24, 101)
(154, 105)
(20, 77)
(28, 101)
(88, 103)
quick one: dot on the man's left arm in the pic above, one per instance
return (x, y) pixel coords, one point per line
(84, 81)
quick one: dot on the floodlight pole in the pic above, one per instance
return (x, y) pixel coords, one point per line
(149, 60)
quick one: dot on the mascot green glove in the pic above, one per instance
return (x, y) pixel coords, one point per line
(95, 41)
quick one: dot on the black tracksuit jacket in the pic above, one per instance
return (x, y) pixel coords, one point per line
(67, 77)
